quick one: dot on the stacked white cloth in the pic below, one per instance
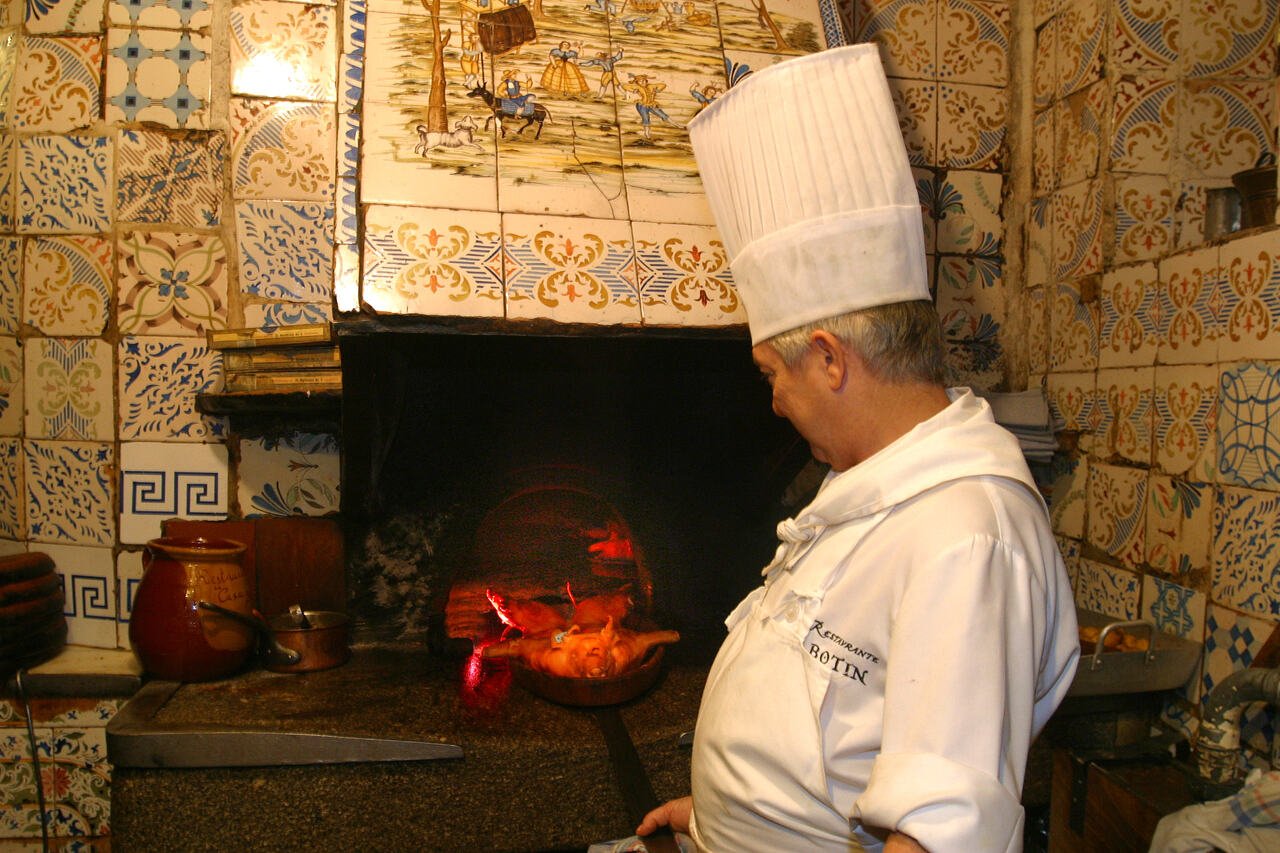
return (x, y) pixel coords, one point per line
(1025, 414)
(1247, 822)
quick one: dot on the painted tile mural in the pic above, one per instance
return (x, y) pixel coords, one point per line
(293, 475)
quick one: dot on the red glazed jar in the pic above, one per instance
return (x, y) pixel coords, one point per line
(173, 637)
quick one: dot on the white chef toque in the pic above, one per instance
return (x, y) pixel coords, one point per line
(807, 175)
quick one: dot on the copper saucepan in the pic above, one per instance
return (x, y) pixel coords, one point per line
(298, 641)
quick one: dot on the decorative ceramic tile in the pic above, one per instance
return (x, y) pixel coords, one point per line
(906, 31)
(1143, 125)
(1144, 218)
(971, 126)
(1145, 36)
(348, 146)
(10, 284)
(1179, 527)
(8, 181)
(1077, 229)
(1248, 425)
(69, 393)
(1189, 211)
(1174, 609)
(971, 308)
(973, 41)
(63, 16)
(1069, 500)
(273, 315)
(1037, 327)
(295, 475)
(1108, 590)
(346, 278)
(351, 74)
(397, 71)
(1078, 122)
(968, 212)
(282, 150)
(1186, 417)
(1129, 336)
(159, 381)
(63, 184)
(57, 84)
(89, 593)
(159, 76)
(172, 283)
(128, 576)
(1217, 148)
(1117, 506)
(305, 272)
(162, 14)
(1191, 306)
(11, 391)
(682, 273)
(170, 177)
(1073, 329)
(69, 491)
(81, 778)
(797, 26)
(434, 262)
(346, 224)
(1231, 642)
(1043, 141)
(66, 278)
(1229, 40)
(283, 50)
(569, 269)
(1044, 69)
(12, 504)
(917, 106)
(927, 189)
(1125, 408)
(1073, 400)
(1040, 268)
(160, 481)
(1080, 40)
(833, 25)
(1251, 291)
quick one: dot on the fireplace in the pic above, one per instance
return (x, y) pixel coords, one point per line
(550, 466)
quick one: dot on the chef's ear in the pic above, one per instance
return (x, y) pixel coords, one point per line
(834, 357)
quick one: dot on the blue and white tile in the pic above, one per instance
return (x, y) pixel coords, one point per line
(1231, 641)
(294, 475)
(13, 516)
(69, 389)
(8, 181)
(161, 14)
(11, 386)
(348, 146)
(89, 593)
(169, 480)
(10, 284)
(1246, 537)
(170, 178)
(128, 576)
(346, 223)
(70, 491)
(302, 274)
(273, 315)
(1179, 527)
(1249, 425)
(159, 381)
(62, 16)
(1176, 610)
(1107, 590)
(159, 76)
(64, 184)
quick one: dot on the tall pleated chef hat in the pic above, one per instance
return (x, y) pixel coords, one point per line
(807, 175)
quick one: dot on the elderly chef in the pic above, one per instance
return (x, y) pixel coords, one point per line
(916, 628)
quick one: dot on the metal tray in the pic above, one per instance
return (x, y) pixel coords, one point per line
(1167, 664)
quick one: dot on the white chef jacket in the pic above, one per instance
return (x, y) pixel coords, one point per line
(913, 634)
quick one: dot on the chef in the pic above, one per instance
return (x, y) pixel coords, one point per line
(916, 628)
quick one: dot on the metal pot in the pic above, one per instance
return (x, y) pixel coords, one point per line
(298, 641)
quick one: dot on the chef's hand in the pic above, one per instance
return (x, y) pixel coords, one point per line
(672, 813)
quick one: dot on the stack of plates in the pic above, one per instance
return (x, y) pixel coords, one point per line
(32, 625)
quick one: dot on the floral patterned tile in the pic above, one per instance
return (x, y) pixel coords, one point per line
(1080, 45)
(171, 283)
(1108, 590)
(295, 475)
(1143, 125)
(1077, 229)
(159, 76)
(11, 382)
(1040, 268)
(128, 576)
(305, 272)
(1231, 641)
(283, 50)
(1186, 415)
(162, 14)
(570, 270)
(973, 41)
(13, 518)
(927, 189)
(82, 777)
(170, 177)
(1044, 176)
(1070, 500)
(89, 593)
(1189, 211)
(1179, 528)
(163, 480)
(159, 381)
(1117, 506)
(61, 16)
(63, 184)
(916, 103)
(1073, 400)
(273, 315)
(971, 126)
(1190, 307)
(1128, 300)
(1073, 328)
(1231, 40)
(1044, 67)
(69, 394)
(1078, 122)
(78, 511)
(56, 87)
(682, 274)
(67, 284)
(971, 307)
(8, 181)
(968, 212)
(1125, 408)
(1251, 291)
(1248, 425)
(907, 32)
(1037, 326)
(10, 284)
(1215, 150)
(1145, 37)
(283, 150)
(1144, 218)
(433, 262)
(1180, 611)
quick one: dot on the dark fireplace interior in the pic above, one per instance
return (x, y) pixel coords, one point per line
(547, 467)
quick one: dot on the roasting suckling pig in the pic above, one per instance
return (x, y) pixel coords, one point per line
(575, 653)
(536, 619)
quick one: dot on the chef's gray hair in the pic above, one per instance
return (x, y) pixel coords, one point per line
(900, 342)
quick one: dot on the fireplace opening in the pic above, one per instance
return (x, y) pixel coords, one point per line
(553, 468)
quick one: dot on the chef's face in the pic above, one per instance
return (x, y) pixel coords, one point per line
(797, 393)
